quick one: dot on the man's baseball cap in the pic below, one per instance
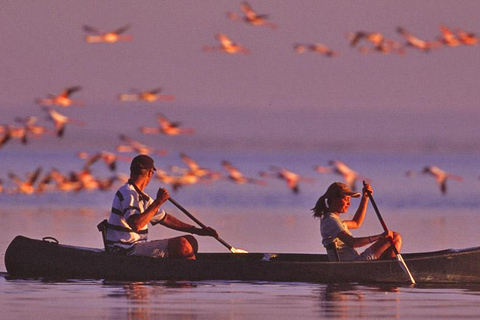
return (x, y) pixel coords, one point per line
(142, 162)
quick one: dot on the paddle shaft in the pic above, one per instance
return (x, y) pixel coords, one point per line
(382, 222)
(191, 216)
(403, 265)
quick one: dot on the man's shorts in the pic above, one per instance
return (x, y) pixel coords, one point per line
(154, 248)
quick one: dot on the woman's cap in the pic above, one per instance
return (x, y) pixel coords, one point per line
(338, 189)
(142, 162)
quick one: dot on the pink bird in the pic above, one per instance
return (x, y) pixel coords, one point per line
(14, 132)
(373, 37)
(291, 178)
(467, 38)
(25, 186)
(109, 158)
(63, 182)
(135, 146)
(62, 99)
(197, 170)
(416, 42)
(378, 43)
(97, 36)
(146, 95)
(166, 127)
(227, 46)
(187, 178)
(31, 126)
(441, 177)
(4, 139)
(339, 167)
(236, 176)
(60, 121)
(315, 48)
(251, 17)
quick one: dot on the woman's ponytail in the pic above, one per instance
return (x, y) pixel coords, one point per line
(321, 207)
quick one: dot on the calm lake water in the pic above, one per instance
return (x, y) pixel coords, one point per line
(22, 299)
(259, 219)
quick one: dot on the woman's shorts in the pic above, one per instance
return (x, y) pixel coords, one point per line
(368, 254)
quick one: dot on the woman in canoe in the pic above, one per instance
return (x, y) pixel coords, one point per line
(336, 235)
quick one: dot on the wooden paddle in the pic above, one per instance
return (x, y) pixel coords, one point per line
(402, 263)
(191, 216)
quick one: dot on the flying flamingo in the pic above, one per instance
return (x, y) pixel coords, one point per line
(251, 17)
(291, 178)
(227, 46)
(236, 176)
(138, 147)
(109, 158)
(441, 177)
(146, 95)
(166, 127)
(62, 99)
(416, 42)
(96, 35)
(25, 186)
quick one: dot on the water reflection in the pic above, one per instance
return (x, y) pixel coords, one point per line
(345, 301)
(137, 296)
(151, 300)
(142, 298)
(82, 299)
(139, 306)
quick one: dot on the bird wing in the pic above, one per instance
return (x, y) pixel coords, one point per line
(4, 139)
(93, 30)
(15, 178)
(224, 40)
(447, 34)
(34, 176)
(122, 29)
(68, 91)
(91, 160)
(355, 37)
(155, 91)
(163, 121)
(247, 9)
(234, 172)
(192, 164)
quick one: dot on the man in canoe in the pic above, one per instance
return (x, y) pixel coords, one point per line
(133, 209)
(336, 235)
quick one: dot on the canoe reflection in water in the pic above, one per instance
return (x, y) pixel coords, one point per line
(140, 295)
(137, 295)
(346, 301)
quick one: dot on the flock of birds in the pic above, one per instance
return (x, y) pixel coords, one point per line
(37, 181)
(191, 173)
(366, 42)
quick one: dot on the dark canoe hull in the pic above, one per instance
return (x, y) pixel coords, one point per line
(29, 258)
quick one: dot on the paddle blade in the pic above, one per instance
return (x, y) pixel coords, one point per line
(403, 265)
(235, 250)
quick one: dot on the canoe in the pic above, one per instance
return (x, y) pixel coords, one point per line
(47, 259)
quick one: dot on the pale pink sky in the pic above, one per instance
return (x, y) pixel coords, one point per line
(273, 92)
